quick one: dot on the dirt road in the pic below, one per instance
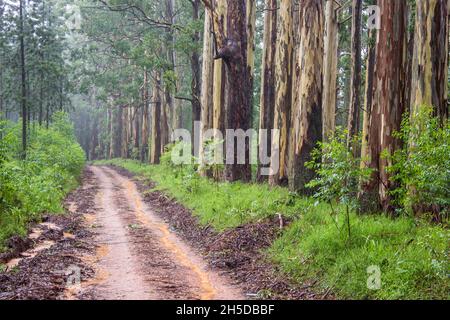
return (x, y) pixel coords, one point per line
(123, 240)
(138, 256)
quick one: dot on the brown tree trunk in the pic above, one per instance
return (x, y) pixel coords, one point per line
(267, 101)
(94, 140)
(170, 101)
(307, 113)
(410, 55)
(388, 102)
(176, 111)
(111, 132)
(165, 135)
(239, 91)
(2, 115)
(145, 132)
(284, 69)
(156, 120)
(207, 87)
(125, 132)
(330, 68)
(23, 96)
(218, 11)
(196, 81)
(431, 50)
(233, 48)
(355, 82)
(136, 131)
(370, 67)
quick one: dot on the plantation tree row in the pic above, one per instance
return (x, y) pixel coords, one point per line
(301, 67)
(140, 69)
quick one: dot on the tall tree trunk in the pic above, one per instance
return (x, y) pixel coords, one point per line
(370, 68)
(410, 55)
(307, 113)
(23, 97)
(431, 46)
(233, 48)
(283, 92)
(137, 131)
(92, 155)
(176, 103)
(125, 132)
(156, 119)
(267, 101)
(251, 30)
(145, 120)
(388, 102)
(2, 115)
(355, 82)
(41, 100)
(171, 59)
(111, 131)
(118, 115)
(239, 89)
(196, 80)
(2, 111)
(207, 87)
(330, 68)
(219, 27)
(165, 120)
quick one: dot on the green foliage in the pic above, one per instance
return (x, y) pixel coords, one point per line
(339, 174)
(38, 184)
(421, 169)
(412, 257)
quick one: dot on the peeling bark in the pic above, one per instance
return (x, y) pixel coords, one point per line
(207, 87)
(388, 102)
(284, 69)
(267, 101)
(307, 113)
(355, 82)
(239, 90)
(370, 67)
(196, 78)
(330, 68)
(431, 51)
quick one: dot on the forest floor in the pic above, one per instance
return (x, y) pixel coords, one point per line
(123, 241)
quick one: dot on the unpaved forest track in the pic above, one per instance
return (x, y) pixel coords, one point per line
(126, 241)
(138, 256)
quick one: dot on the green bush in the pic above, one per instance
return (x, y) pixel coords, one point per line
(421, 168)
(339, 175)
(38, 184)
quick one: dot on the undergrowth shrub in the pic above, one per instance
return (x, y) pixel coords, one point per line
(421, 168)
(38, 184)
(339, 175)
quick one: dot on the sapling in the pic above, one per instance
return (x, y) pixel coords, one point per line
(338, 175)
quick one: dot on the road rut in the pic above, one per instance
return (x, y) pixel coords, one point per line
(139, 256)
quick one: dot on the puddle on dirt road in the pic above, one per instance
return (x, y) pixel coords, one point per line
(41, 246)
